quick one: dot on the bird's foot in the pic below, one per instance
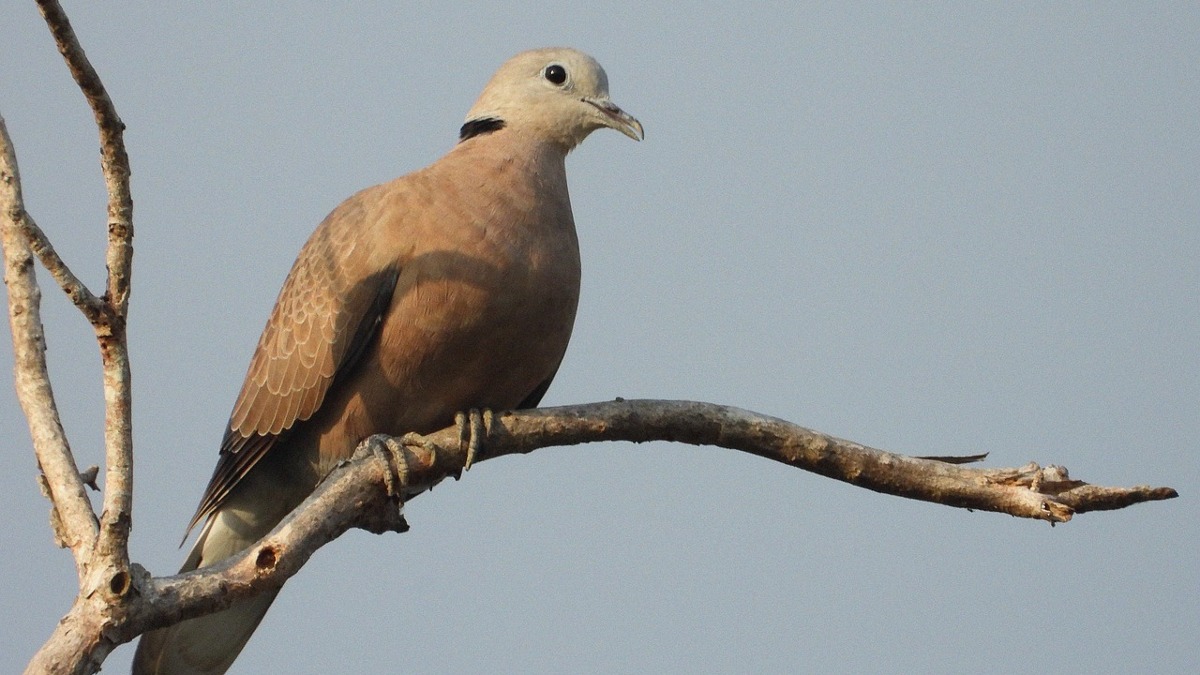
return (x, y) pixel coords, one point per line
(391, 451)
(414, 440)
(473, 428)
(395, 480)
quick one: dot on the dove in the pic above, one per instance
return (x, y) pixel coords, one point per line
(449, 289)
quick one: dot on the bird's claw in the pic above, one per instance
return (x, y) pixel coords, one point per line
(474, 426)
(395, 480)
(391, 452)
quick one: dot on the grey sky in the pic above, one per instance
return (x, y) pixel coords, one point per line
(930, 228)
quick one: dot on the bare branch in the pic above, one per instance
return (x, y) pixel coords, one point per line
(76, 524)
(75, 647)
(93, 308)
(364, 492)
(114, 160)
(115, 517)
(1028, 492)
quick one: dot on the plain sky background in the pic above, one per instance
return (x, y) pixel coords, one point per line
(931, 228)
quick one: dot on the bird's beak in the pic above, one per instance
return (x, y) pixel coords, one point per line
(615, 118)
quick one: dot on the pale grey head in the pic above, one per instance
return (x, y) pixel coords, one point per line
(559, 94)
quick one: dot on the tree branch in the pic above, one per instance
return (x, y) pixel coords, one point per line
(75, 523)
(81, 296)
(365, 491)
(114, 160)
(1042, 493)
(116, 515)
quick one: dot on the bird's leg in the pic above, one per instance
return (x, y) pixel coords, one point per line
(473, 428)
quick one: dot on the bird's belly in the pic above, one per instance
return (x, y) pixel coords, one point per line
(477, 346)
(457, 337)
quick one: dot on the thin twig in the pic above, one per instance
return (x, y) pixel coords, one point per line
(81, 296)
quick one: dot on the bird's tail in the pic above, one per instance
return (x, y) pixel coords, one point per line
(208, 645)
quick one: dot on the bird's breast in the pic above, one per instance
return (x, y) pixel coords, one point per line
(480, 321)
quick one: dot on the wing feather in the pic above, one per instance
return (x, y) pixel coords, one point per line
(327, 313)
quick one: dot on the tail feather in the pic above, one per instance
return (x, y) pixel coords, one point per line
(209, 644)
(204, 646)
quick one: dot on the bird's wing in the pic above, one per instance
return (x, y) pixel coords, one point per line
(326, 315)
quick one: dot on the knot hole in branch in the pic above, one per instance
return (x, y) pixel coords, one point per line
(119, 584)
(266, 559)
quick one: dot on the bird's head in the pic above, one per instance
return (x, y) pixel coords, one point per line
(559, 94)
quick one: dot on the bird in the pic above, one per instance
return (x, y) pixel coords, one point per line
(451, 288)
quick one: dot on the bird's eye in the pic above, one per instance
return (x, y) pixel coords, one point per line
(556, 73)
